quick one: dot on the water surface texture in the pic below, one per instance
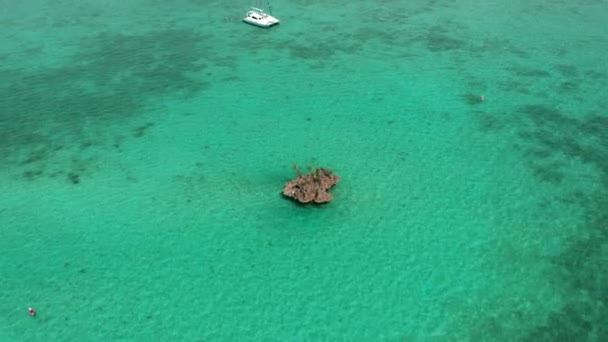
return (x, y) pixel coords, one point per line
(144, 145)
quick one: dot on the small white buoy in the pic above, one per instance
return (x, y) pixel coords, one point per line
(482, 98)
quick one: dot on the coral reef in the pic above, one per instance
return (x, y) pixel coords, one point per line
(312, 187)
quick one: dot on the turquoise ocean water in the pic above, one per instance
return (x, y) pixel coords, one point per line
(144, 145)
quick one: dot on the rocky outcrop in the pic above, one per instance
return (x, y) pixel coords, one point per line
(312, 187)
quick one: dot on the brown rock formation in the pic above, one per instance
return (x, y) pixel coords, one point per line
(312, 187)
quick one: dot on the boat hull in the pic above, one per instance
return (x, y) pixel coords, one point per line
(263, 24)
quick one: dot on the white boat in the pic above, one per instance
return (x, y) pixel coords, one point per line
(258, 17)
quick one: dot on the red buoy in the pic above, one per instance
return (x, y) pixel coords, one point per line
(32, 312)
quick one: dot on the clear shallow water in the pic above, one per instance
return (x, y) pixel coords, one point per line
(143, 152)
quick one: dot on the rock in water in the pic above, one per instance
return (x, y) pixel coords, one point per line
(312, 187)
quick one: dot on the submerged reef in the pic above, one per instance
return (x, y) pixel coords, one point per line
(312, 187)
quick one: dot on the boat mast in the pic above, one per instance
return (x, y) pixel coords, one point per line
(260, 4)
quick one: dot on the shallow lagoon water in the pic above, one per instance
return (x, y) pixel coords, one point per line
(144, 145)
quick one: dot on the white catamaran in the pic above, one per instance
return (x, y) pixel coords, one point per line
(257, 17)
